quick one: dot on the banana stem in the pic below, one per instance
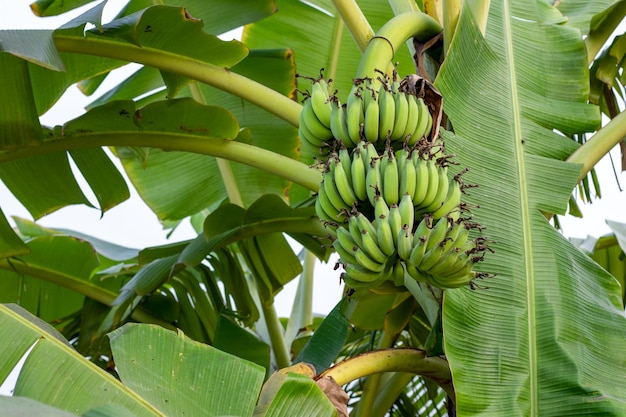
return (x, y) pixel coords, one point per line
(277, 337)
(333, 59)
(370, 388)
(451, 12)
(356, 22)
(393, 360)
(391, 36)
(601, 143)
(226, 172)
(79, 286)
(391, 388)
(254, 156)
(222, 78)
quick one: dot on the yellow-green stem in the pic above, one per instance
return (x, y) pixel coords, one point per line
(390, 389)
(222, 78)
(226, 172)
(451, 13)
(391, 36)
(356, 22)
(404, 6)
(260, 158)
(393, 360)
(372, 383)
(85, 288)
(590, 153)
(276, 334)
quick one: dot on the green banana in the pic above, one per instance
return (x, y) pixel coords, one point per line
(451, 202)
(407, 211)
(346, 240)
(344, 187)
(421, 179)
(437, 234)
(346, 162)
(364, 260)
(358, 172)
(386, 240)
(306, 135)
(338, 125)
(422, 122)
(360, 277)
(364, 224)
(413, 117)
(370, 123)
(320, 102)
(457, 280)
(433, 184)
(395, 220)
(414, 273)
(387, 112)
(408, 178)
(345, 256)
(397, 273)
(391, 181)
(381, 209)
(443, 185)
(329, 188)
(354, 115)
(327, 210)
(311, 121)
(402, 115)
(321, 212)
(431, 257)
(370, 246)
(447, 261)
(373, 180)
(405, 242)
(418, 250)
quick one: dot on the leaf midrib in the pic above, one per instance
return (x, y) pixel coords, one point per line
(525, 213)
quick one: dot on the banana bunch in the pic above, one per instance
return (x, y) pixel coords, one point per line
(395, 212)
(378, 111)
(314, 123)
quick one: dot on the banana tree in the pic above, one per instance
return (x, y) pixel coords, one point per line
(211, 130)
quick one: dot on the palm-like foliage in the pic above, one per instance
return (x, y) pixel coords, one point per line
(216, 121)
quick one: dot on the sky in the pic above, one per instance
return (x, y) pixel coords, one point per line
(133, 224)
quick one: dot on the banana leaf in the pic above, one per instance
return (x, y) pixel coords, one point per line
(544, 337)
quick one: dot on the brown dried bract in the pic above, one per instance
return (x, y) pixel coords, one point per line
(335, 394)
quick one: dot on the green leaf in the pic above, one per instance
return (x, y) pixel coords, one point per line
(620, 232)
(102, 176)
(185, 377)
(328, 340)
(544, 336)
(25, 407)
(580, 13)
(51, 183)
(55, 7)
(19, 124)
(175, 31)
(218, 16)
(10, 243)
(291, 395)
(35, 46)
(78, 384)
(236, 340)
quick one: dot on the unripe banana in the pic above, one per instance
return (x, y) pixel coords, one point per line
(402, 115)
(346, 162)
(387, 112)
(354, 116)
(440, 229)
(457, 280)
(364, 260)
(343, 183)
(345, 240)
(397, 273)
(405, 242)
(424, 228)
(338, 124)
(320, 102)
(414, 273)
(429, 123)
(362, 276)
(395, 220)
(325, 209)
(448, 260)
(386, 239)
(355, 230)
(370, 152)
(452, 201)
(422, 123)
(433, 184)
(345, 256)
(407, 211)
(370, 127)
(370, 246)
(364, 224)
(329, 188)
(373, 181)
(358, 173)
(391, 180)
(431, 257)
(413, 116)
(307, 136)
(461, 238)
(408, 178)
(381, 209)
(439, 199)
(418, 250)
(421, 178)
(313, 123)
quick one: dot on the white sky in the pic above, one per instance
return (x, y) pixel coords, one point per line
(133, 224)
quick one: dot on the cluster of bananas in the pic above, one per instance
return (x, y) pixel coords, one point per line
(378, 111)
(397, 211)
